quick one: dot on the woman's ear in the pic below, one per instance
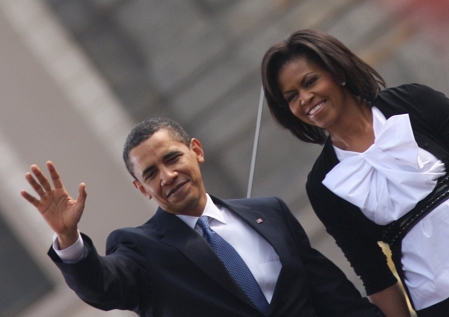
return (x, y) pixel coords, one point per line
(341, 78)
(139, 186)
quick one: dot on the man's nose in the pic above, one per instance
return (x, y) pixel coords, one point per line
(167, 176)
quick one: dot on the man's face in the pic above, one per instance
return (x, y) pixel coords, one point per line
(168, 171)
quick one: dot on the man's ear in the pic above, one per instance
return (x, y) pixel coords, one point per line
(196, 147)
(139, 186)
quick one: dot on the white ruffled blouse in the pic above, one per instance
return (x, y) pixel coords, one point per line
(388, 180)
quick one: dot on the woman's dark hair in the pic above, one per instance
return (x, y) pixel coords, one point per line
(145, 129)
(331, 55)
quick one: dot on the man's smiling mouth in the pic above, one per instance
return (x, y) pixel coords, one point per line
(176, 188)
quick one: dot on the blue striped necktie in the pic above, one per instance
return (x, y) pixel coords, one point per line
(235, 265)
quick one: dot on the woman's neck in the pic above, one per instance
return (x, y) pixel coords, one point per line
(355, 130)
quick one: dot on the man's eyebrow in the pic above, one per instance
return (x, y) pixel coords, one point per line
(170, 154)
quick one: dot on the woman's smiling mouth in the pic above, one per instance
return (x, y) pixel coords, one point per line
(316, 108)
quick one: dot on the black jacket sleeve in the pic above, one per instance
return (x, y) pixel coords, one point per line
(355, 234)
(332, 293)
(107, 282)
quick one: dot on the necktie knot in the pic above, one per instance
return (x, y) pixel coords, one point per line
(203, 222)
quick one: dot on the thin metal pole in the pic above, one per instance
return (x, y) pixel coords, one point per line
(256, 142)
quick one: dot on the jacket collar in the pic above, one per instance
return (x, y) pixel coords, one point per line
(173, 231)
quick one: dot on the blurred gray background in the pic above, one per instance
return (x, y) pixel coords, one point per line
(75, 76)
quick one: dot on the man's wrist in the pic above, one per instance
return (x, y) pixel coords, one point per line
(71, 254)
(68, 239)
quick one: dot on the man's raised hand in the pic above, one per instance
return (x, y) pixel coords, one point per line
(58, 208)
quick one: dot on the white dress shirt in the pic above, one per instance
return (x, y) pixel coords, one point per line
(260, 257)
(388, 180)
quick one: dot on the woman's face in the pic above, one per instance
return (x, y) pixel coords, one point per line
(312, 94)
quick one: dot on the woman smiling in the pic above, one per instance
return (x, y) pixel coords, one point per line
(382, 173)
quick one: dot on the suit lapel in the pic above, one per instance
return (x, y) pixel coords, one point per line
(176, 233)
(270, 232)
(265, 228)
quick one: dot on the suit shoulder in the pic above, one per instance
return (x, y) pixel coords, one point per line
(129, 234)
(265, 203)
(251, 201)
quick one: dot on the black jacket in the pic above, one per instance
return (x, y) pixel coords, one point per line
(356, 235)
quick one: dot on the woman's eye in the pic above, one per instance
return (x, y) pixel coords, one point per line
(290, 98)
(311, 81)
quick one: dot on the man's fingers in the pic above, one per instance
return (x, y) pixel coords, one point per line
(31, 199)
(43, 181)
(82, 194)
(37, 187)
(55, 178)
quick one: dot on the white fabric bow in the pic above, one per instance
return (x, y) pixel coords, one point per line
(389, 178)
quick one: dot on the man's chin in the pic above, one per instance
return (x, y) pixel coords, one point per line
(188, 207)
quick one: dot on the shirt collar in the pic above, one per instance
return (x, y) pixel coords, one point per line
(211, 210)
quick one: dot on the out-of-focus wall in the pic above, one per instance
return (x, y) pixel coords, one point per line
(45, 81)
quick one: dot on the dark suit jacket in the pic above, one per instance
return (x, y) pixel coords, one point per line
(165, 268)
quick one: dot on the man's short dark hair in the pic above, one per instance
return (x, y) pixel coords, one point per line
(145, 129)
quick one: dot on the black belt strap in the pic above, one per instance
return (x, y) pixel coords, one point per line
(396, 231)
